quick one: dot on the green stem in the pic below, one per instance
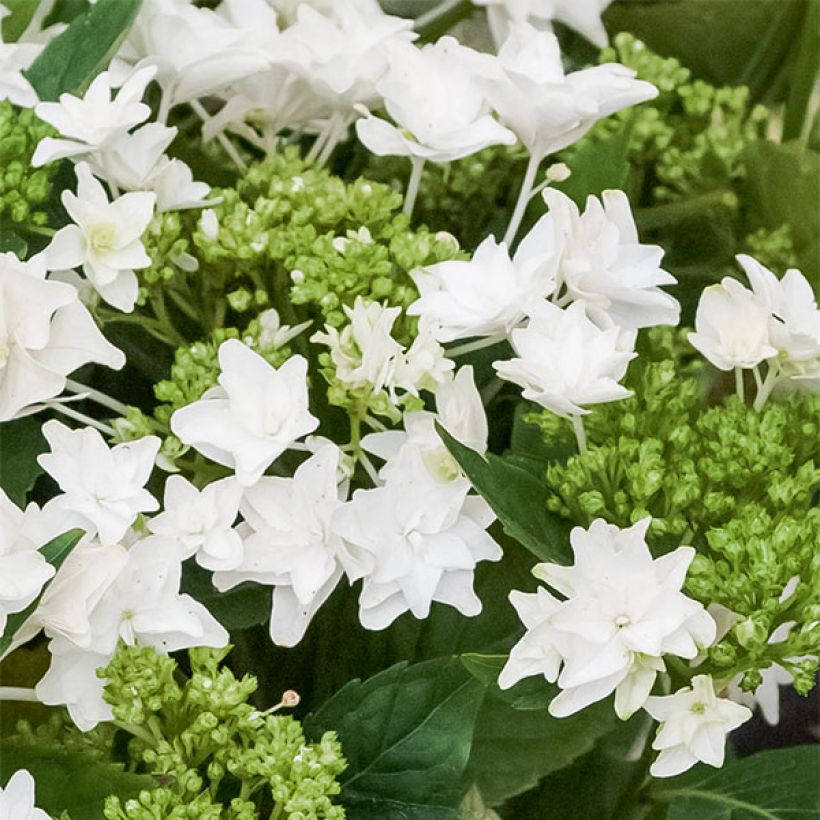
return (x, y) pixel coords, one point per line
(432, 24)
(137, 731)
(803, 75)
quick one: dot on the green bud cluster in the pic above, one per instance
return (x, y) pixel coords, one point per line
(214, 754)
(774, 249)
(738, 484)
(23, 189)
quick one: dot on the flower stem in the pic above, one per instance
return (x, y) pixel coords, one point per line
(739, 388)
(580, 433)
(81, 417)
(18, 693)
(765, 389)
(476, 344)
(227, 145)
(417, 168)
(95, 395)
(523, 199)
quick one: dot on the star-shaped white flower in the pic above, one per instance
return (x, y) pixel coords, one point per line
(87, 124)
(17, 798)
(254, 415)
(104, 486)
(104, 239)
(45, 334)
(415, 541)
(694, 724)
(290, 545)
(621, 612)
(603, 263)
(142, 607)
(565, 361)
(201, 522)
(488, 295)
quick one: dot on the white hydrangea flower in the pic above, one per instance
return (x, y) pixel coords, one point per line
(424, 365)
(45, 334)
(14, 59)
(104, 239)
(459, 410)
(415, 541)
(89, 123)
(490, 294)
(142, 607)
(546, 109)
(435, 100)
(565, 362)
(622, 612)
(201, 521)
(23, 569)
(694, 724)
(104, 486)
(254, 415)
(290, 545)
(604, 265)
(364, 354)
(732, 326)
(17, 798)
(582, 15)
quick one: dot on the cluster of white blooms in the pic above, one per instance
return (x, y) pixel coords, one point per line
(620, 612)
(776, 322)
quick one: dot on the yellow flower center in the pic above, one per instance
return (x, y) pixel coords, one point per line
(101, 237)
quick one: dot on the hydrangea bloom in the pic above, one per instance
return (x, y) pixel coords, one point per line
(104, 239)
(604, 265)
(14, 59)
(438, 107)
(92, 122)
(201, 521)
(45, 334)
(415, 541)
(17, 798)
(252, 417)
(104, 486)
(694, 724)
(289, 543)
(564, 361)
(622, 612)
(490, 294)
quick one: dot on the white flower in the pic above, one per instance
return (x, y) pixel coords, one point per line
(794, 325)
(254, 415)
(732, 326)
(458, 409)
(17, 798)
(289, 543)
(45, 334)
(201, 522)
(545, 109)
(142, 607)
(603, 263)
(424, 365)
(622, 611)
(343, 56)
(105, 238)
(438, 107)
(92, 121)
(14, 59)
(582, 15)
(565, 361)
(23, 569)
(490, 294)
(365, 355)
(694, 724)
(104, 486)
(415, 541)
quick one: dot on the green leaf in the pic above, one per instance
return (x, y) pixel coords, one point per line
(69, 62)
(245, 605)
(514, 749)
(74, 781)
(779, 784)
(532, 693)
(20, 14)
(55, 552)
(10, 241)
(20, 443)
(783, 187)
(406, 734)
(518, 498)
